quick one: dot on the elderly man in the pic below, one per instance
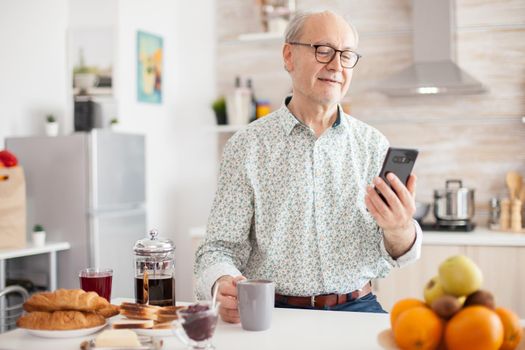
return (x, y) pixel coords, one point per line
(296, 202)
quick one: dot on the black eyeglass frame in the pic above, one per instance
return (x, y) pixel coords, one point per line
(316, 46)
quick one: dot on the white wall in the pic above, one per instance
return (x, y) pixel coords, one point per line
(32, 61)
(195, 143)
(181, 154)
(181, 151)
(93, 13)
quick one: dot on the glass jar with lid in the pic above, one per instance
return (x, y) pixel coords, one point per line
(154, 259)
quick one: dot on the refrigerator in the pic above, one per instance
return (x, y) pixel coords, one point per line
(87, 189)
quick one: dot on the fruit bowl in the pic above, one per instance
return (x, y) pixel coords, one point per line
(455, 310)
(386, 340)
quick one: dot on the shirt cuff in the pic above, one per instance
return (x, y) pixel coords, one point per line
(211, 274)
(410, 256)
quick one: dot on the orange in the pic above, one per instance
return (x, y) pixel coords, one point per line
(474, 327)
(401, 306)
(512, 331)
(418, 328)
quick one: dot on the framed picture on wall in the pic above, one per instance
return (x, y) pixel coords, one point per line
(149, 67)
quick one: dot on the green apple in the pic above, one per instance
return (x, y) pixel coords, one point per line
(459, 276)
(433, 290)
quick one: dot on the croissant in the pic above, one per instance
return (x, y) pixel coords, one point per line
(65, 299)
(109, 311)
(60, 320)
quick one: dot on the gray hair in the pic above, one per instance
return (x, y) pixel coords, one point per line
(296, 25)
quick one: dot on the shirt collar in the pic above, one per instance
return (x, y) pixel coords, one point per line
(290, 121)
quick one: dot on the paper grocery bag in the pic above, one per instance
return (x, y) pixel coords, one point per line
(12, 208)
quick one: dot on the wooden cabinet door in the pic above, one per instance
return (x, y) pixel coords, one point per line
(503, 274)
(409, 281)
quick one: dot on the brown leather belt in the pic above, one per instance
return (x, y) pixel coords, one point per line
(325, 300)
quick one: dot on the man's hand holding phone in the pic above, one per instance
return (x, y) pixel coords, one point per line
(394, 213)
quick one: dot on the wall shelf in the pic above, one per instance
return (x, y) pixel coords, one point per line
(260, 36)
(255, 37)
(96, 91)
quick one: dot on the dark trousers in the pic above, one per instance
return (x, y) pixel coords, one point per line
(368, 303)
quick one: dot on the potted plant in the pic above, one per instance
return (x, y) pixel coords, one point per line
(84, 77)
(51, 125)
(113, 123)
(39, 235)
(219, 107)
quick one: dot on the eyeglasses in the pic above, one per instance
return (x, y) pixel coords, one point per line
(325, 54)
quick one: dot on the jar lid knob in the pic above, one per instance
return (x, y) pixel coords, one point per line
(153, 234)
(153, 244)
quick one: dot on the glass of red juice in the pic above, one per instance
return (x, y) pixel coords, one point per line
(97, 280)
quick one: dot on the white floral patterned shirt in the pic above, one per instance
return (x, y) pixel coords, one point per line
(290, 208)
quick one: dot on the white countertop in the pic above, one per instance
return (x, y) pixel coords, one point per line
(291, 329)
(481, 236)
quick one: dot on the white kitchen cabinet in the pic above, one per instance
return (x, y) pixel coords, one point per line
(503, 271)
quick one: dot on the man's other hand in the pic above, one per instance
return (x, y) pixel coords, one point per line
(227, 296)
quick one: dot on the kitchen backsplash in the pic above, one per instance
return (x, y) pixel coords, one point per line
(476, 138)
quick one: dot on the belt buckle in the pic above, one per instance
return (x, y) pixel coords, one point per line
(358, 294)
(312, 300)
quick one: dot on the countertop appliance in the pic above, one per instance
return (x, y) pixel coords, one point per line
(439, 225)
(453, 208)
(87, 189)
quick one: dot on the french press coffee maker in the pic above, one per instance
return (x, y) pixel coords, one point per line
(154, 270)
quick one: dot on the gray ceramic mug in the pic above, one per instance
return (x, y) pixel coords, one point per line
(256, 301)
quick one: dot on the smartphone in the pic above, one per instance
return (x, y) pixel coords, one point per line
(399, 161)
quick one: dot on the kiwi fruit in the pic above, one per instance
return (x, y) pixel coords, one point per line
(446, 306)
(480, 297)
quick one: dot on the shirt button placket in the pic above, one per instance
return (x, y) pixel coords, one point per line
(319, 203)
(317, 179)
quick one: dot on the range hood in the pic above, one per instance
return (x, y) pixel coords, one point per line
(434, 70)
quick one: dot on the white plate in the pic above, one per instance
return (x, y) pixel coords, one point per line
(65, 334)
(154, 332)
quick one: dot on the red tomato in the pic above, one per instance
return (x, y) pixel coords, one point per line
(8, 159)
